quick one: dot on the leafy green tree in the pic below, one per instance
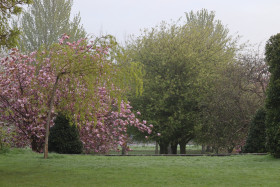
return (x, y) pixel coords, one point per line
(257, 134)
(272, 53)
(180, 62)
(8, 8)
(227, 109)
(64, 138)
(46, 21)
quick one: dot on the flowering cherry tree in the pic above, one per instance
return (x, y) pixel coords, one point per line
(76, 78)
(21, 104)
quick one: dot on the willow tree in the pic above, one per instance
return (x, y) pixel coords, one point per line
(181, 60)
(46, 21)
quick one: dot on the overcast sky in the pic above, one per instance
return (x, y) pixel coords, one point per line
(254, 20)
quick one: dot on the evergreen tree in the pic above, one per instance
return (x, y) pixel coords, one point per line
(256, 139)
(272, 53)
(64, 138)
(46, 21)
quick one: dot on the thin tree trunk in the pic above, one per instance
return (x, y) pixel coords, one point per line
(46, 147)
(156, 150)
(124, 152)
(203, 148)
(174, 148)
(183, 148)
(209, 149)
(169, 151)
(163, 148)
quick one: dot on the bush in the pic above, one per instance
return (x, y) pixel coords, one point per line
(257, 134)
(64, 138)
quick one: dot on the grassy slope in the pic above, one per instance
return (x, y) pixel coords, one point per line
(24, 168)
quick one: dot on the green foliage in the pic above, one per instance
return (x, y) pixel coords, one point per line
(130, 78)
(180, 61)
(272, 53)
(227, 109)
(8, 8)
(46, 21)
(64, 138)
(257, 134)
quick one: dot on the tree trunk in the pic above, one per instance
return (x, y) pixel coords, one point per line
(47, 127)
(169, 149)
(174, 148)
(124, 152)
(209, 149)
(156, 150)
(203, 149)
(163, 148)
(183, 148)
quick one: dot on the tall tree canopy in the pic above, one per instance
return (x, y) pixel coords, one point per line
(46, 21)
(272, 53)
(8, 8)
(181, 61)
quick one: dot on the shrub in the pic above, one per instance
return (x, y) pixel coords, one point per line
(255, 142)
(64, 138)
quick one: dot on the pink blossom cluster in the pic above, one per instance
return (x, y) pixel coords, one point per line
(110, 128)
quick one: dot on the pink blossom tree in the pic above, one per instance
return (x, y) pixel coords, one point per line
(78, 78)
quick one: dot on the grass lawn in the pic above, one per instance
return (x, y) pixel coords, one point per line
(25, 168)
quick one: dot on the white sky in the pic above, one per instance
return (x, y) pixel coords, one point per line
(254, 20)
